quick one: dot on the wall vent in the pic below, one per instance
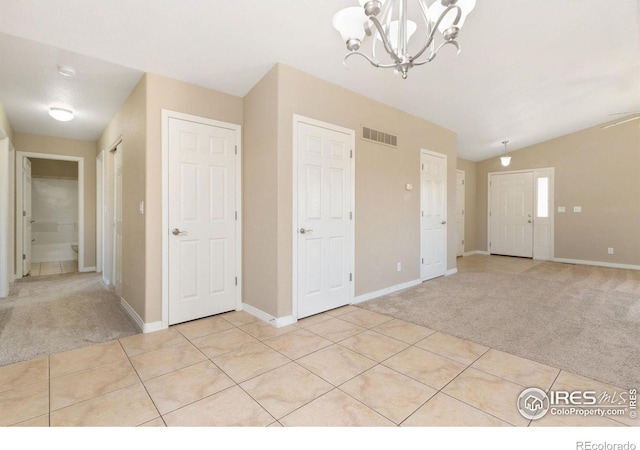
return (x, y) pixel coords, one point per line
(369, 134)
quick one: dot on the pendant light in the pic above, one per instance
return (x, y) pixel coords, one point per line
(505, 160)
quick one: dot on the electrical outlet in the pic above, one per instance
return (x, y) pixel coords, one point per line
(399, 267)
(610, 250)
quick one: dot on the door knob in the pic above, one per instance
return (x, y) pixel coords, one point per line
(177, 232)
(530, 221)
(303, 231)
(444, 222)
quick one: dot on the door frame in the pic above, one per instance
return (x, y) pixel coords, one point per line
(297, 119)
(446, 211)
(537, 173)
(19, 204)
(166, 115)
(99, 210)
(464, 209)
(7, 221)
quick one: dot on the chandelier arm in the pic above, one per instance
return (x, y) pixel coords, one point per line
(371, 61)
(434, 54)
(385, 40)
(430, 36)
(426, 16)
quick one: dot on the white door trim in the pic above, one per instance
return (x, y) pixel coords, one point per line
(166, 115)
(446, 209)
(536, 172)
(297, 119)
(19, 206)
(99, 210)
(5, 213)
(464, 209)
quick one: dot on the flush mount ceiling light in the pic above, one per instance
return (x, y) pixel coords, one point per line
(505, 160)
(387, 21)
(61, 114)
(67, 71)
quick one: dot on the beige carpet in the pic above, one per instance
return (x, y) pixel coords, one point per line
(50, 314)
(580, 318)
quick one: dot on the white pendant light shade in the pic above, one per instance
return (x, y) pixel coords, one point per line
(393, 32)
(350, 23)
(447, 22)
(61, 114)
(505, 160)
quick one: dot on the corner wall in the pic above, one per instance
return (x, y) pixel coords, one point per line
(129, 125)
(260, 195)
(596, 169)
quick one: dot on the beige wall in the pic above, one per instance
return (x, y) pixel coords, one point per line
(71, 147)
(386, 215)
(129, 126)
(54, 168)
(596, 169)
(260, 195)
(470, 204)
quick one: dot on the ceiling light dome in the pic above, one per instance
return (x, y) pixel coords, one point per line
(67, 71)
(61, 114)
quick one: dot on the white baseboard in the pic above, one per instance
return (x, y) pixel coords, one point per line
(277, 322)
(474, 252)
(150, 327)
(385, 291)
(481, 252)
(451, 272)
(132, 313)
(597, 263)
(87, 269)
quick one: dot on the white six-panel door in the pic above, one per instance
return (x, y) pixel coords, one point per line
(511, 214)
(433, 215)
(202, 220)
(324, 219)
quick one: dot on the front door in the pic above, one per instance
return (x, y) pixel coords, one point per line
(324, 218)
(202, 220)
(433, 215)
(511, 214)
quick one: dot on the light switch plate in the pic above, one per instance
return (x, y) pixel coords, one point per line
(577, 209)
(561, 209)
(408, 187)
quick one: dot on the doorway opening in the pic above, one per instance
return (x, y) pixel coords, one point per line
(50, 214)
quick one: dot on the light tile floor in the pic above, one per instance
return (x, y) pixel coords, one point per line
(345, 367)
(53, 268)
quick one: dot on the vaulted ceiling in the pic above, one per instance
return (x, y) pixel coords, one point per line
(529, 70)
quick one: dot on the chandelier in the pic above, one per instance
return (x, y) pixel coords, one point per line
(387, 22)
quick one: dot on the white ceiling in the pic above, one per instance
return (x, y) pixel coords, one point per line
(529, 70)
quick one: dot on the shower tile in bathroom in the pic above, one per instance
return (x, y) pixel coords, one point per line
(35, 269)
(50, 268)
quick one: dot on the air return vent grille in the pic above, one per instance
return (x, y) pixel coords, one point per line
(369, 134)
